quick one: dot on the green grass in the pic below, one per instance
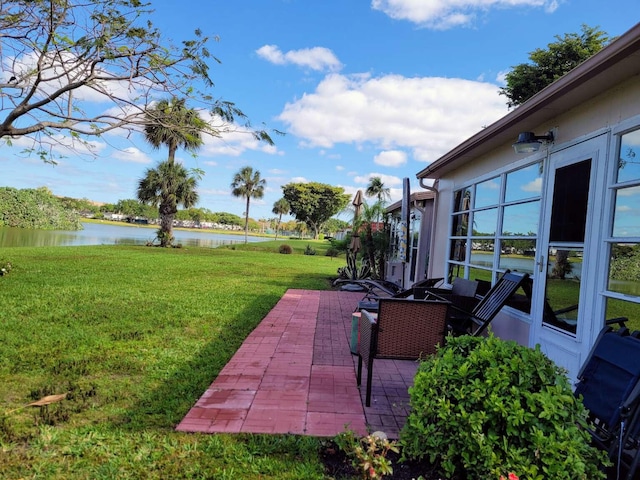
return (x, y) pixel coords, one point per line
(134, 335)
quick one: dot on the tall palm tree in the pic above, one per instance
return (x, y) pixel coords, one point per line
(170, 123)
(167, 186)
(280, 207)
(377, 189)
(247, 184)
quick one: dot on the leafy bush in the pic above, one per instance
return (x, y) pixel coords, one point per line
(35, 208)
(483, 406)
(309, 250)
(332, 252)
(285, 249)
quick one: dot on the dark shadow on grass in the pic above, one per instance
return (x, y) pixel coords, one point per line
(167, 405)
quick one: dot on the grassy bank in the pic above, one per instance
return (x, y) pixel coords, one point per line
(133, 336)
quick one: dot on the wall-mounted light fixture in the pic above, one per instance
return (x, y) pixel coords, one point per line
(528, 142)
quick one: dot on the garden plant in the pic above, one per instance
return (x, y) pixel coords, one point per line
(486, 408)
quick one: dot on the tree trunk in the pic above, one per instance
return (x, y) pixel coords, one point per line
(246, 221)
(167, 214)
(278, 226)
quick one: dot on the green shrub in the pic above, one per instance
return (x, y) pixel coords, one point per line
(482, 407)
(285, 249)
(309, 250)
(332, 252)
(35, 208)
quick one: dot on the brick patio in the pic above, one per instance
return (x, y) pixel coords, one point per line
(295, 374)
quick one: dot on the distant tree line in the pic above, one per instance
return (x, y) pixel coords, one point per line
(40, 208)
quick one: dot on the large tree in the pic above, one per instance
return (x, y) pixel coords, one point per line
(527, 79)
(314, 203)
(280, 207)
(247, 184)
(81, 68)
(167, 186)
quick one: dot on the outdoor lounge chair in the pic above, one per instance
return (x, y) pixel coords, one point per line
(465, 321)
(376, 289)
(404, 329)
(609, 383)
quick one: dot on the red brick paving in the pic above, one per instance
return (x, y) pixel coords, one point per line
(295, 374)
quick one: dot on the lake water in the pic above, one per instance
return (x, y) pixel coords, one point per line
(107, 234)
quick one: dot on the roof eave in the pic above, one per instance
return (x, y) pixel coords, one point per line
(597, 72)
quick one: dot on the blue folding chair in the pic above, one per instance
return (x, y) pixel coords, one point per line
(609, 383)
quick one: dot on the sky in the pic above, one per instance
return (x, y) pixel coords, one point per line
(360, 88)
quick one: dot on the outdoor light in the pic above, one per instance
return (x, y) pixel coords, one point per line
(528, 142)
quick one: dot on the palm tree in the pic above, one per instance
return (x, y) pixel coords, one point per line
(280, 207)
(375, 243)
(377, 189)
(167, 186)
(171, 123)
(247, 184)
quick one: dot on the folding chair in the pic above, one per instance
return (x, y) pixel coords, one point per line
(609, 384)
(402, 329)
(465, 321)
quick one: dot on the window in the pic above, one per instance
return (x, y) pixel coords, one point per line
(494, 227)
(623, 282)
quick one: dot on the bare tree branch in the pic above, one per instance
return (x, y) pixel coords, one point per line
(68, 65)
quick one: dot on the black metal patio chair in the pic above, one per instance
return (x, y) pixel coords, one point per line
(474, 321)
(609, 384)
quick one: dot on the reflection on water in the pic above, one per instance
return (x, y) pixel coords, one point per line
(106, 234)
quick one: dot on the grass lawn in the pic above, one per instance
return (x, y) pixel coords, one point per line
(134, 335)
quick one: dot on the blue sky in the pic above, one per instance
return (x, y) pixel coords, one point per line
(361, 88)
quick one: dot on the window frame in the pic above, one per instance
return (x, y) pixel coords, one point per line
(466, 265)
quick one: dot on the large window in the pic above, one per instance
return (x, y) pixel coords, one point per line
(494, 227)
(623, 283)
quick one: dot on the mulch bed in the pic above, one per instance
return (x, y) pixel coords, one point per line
(338, 466)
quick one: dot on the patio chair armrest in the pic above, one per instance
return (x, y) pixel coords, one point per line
(620, 321)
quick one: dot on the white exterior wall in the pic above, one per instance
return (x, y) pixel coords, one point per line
(598, 117)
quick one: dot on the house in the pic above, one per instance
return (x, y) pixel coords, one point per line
(566, 211)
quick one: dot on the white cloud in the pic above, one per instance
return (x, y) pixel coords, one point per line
(445, 14)
(299, 180)
(427, 115)
(629, 192)
(339, 168)
(533, 187)
(387, 180)
(131, 155)
(390, 158)
(501, 77)
(316, 58)
(233, 142)
(213, 191)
